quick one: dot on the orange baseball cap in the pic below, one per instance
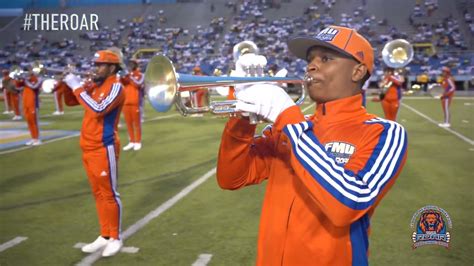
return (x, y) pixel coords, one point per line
(106, 56)
(344, 40)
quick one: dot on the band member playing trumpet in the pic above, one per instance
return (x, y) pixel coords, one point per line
(13, 94)
(449, 88)
(7, 99)
(30, 96)
(391, 96)
(58, 93)
(100, 146)
(326, 173)
(133, 83)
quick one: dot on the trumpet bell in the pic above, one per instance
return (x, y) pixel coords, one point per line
(161, 83)
(397, 53)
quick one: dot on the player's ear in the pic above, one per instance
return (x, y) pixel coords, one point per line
(358, 72)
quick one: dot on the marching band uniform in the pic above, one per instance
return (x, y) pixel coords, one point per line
(393, 96)
(58, 93)
(100, 146)
(449, 89)
(31, 106)
(131, 109)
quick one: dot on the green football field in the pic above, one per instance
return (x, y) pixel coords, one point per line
(45, 196)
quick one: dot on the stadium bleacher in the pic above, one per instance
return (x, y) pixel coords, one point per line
(193, 33)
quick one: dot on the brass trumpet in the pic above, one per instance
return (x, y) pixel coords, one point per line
(50, 81)
(163, 87)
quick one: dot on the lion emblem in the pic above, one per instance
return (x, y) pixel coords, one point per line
(431, 222)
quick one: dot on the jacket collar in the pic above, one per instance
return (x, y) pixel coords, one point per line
(339, 110)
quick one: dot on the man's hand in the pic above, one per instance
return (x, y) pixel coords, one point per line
(266, 100)
(72, 81)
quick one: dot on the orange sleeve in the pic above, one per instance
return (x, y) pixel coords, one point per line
(69, 97)
(114, 97)
(244, 159)
(346, 192)
(125, 80)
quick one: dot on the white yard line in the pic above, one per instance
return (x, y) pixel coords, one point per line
(202, 260)
(15, 241)
(44, 143)
(65, 113)
(90, 259)
(457, 134)
(74, 135)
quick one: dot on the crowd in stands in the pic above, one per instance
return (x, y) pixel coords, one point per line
(211, 46)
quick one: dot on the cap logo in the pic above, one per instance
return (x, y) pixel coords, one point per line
(96, 55)
(360, 55)
(327, 34)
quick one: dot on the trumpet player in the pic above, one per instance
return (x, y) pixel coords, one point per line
(6, 92)
(133, 83)
(325, 173)
(391, 95)
(449, 88)
(13, 94)
(100, 146)
(30, 96)
(58, 93)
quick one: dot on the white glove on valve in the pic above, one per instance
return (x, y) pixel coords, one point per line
(266, 100)
(251, 64)
(72, 81)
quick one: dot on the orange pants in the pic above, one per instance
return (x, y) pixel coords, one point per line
(101, 168)
(58, 100)
(446, 103)
(7, 100)
(390, 108)
(132, 116)
(15, 101)
(31, 117)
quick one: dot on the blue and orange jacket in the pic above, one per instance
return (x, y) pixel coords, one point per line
(102, 112)
(326, 174)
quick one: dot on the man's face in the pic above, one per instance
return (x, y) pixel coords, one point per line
(102, 71)
(332, 74)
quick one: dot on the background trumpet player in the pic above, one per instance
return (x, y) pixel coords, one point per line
(31, 82)
(391, 94)
(14, 92)
(133, 83)
(449, 86)
(100, 146)
(11, 96)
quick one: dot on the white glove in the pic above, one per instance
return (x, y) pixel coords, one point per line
(266, 100)
(72, 81)
(251, 64)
